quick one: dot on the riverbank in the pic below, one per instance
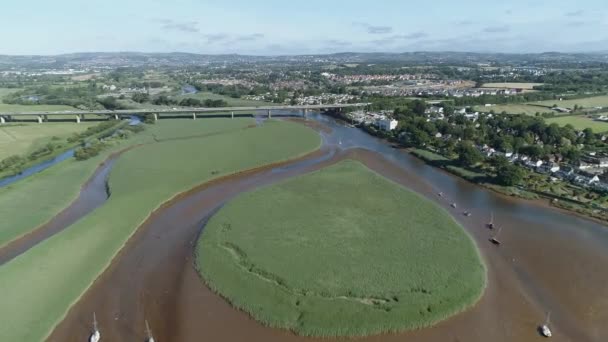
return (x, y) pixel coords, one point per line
(73, 258)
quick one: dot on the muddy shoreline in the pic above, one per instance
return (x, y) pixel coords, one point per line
(153, 277)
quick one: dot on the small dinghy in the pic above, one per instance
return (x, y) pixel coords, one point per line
(95, 335)
(454, 205)
(467, 214)
(494, 239)
(544, 329)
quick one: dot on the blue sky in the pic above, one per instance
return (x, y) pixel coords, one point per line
(273, 27)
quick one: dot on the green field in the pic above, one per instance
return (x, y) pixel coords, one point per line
(10, 108)
(18, 139)
(580, 123)
(588, 102)
(511, 85)
(232, 102)
(340, 252)
(39, 286)
(7, 91)
(514, 109)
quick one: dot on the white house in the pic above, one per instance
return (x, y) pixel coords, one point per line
(387, 124)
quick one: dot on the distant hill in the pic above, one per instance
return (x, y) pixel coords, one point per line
(135, 59)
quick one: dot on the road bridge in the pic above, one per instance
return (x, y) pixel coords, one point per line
(79, 115)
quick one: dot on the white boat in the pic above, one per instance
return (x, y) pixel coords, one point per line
(95, 335)
(454, 205)
(544, 329)
(149, 333)
(467, 214)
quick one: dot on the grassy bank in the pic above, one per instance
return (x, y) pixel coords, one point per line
(39, 286)
(16, 139)
(33, 201)
(340, 252)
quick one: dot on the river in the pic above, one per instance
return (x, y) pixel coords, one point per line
(548, 261)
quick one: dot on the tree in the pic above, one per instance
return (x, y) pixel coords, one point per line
(140, 97)
(468, 155)
(509, 175)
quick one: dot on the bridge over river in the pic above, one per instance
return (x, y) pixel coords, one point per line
(78, 115)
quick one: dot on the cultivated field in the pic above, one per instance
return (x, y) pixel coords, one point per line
(40, 285)
(7, 91)
(9, 108)
(588, 102)
(511, 85)
(514, 109)
(18, 139)
(340, 252)
(580, 123)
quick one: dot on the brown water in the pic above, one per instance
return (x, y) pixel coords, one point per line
(548, 261)
(92, 195)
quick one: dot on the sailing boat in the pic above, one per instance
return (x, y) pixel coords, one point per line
(491, 223)
(95, 335)
(149, 333)
(494, 239)
(544, 329)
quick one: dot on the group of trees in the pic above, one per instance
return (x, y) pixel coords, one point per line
(164, 100)
(89, 151)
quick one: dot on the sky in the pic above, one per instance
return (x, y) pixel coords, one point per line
(273, 27)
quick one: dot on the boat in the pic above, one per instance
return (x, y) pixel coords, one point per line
(440, 194)
(494, 239)
(491, 223)
(467, 214)
(95, 335)
(544, 329)
(454, 205)
(149, 333)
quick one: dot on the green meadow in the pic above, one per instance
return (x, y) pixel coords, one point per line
(340, 252)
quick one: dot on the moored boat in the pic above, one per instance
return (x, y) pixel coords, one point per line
(95, 335)
(491, 223)
(494, 239)
(149, 337)
(544, 329)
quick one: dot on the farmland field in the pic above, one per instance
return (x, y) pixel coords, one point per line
(587, 102)
(340, 252)
(514, 109)
(18, 139)
(39, 286)
(580, 123)
(511, 85)
(9, 108)
(7, 91)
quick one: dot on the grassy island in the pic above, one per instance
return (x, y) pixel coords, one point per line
(340, 252)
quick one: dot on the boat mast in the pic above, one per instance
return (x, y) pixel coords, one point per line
(148, 331)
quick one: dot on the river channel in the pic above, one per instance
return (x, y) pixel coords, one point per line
(548, 261)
